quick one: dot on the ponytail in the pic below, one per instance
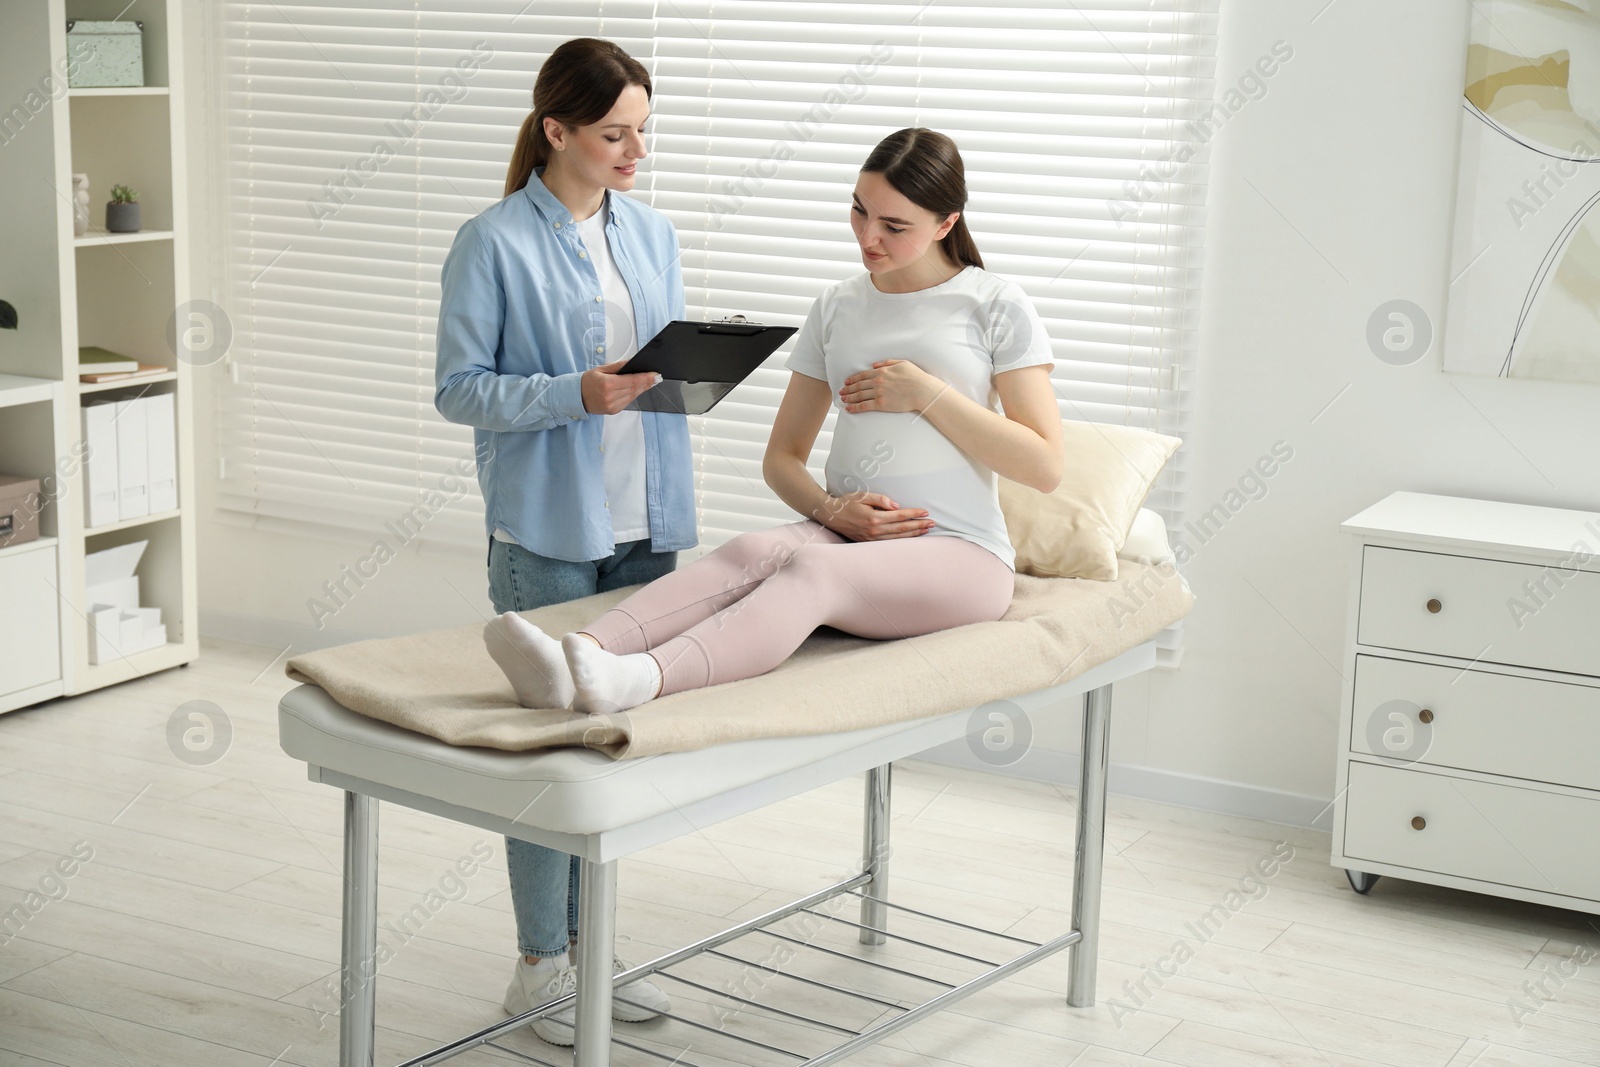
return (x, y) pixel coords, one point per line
(531, 145)
(959, 245)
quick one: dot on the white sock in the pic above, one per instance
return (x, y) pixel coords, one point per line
(576, 955)
(607, 682)
(531, 659)
(547, 965)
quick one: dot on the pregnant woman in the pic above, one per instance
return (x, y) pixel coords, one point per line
(908, 537)
(545, 294)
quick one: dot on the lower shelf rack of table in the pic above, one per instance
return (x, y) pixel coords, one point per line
(805, 985)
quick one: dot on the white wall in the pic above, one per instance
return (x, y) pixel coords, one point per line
(1330, 195)
(255, 585)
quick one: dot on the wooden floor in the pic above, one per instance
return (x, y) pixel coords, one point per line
(199, 924)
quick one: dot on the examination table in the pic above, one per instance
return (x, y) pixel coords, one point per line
(427, 721)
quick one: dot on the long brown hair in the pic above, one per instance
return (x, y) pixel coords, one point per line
(925, 167)
(577, 85)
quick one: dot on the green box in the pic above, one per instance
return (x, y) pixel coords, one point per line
(113, 54)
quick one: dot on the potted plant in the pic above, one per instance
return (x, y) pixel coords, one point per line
(122, 213)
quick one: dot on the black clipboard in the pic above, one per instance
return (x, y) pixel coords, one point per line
(701, 362)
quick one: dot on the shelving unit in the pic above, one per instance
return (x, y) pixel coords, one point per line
(100, 237)
(101, 387)
(130, 524)
(116, 291)
(122, 90)
(22, 389)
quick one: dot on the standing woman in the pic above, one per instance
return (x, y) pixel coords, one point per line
(545, 295)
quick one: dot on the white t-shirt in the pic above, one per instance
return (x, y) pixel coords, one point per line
(963, 331)
(621, 434)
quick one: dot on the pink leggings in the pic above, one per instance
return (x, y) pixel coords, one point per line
(741, 609)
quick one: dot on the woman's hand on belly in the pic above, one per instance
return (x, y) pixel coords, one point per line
(891, 385)
(871, 517)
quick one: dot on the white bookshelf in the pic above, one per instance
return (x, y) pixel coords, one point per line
(100, 237)
(23, 389)
(116, 291)
(122, 90)
(103, 387)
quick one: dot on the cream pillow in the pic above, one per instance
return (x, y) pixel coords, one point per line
(1077, 530)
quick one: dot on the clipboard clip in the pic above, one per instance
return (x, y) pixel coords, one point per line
(734, 324)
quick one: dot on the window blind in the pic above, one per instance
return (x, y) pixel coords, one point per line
(1086, 186)
(360, 136)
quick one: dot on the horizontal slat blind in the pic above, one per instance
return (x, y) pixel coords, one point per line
(1071, 119)
(361, 136)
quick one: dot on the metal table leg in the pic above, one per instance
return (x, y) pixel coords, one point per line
(597, 929)
(359, 956)
(875, 855)
(1090, 854)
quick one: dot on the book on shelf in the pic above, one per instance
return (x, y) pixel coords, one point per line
(144, 371)
(92, 360)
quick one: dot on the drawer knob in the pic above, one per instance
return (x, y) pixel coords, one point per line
(1418, 822)
(1424, 715)
(1434, 607)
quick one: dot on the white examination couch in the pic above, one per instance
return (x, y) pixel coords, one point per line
(599, 809)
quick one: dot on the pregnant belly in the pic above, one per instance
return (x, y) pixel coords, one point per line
(955, 503)
(912, 463)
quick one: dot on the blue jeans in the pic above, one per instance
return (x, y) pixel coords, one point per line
(544, 882)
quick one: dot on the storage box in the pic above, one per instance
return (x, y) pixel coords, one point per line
(113, 53)
(118, 626)
(117, 632)
(120, 634)
(101, 505)
(19, 509)
(108, 575)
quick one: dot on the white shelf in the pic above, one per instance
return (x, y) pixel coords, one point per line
(100, 237)
(128, 524)
(22, 389)
(143, 379)
(120, 299)
(23, 698)
(121, 90)
(38, 544)
(136, 664)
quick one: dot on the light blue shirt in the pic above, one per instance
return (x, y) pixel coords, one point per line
(521, 317)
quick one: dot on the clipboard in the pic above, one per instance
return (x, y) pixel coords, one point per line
(701, 362)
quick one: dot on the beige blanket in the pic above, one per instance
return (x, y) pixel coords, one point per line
(444, 684)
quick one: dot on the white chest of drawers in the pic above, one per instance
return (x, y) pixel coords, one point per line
(1469, 733)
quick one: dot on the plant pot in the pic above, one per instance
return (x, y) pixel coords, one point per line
(122, 218)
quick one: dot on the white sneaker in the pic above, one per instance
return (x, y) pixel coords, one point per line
(645, 1000)
(536, 984)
